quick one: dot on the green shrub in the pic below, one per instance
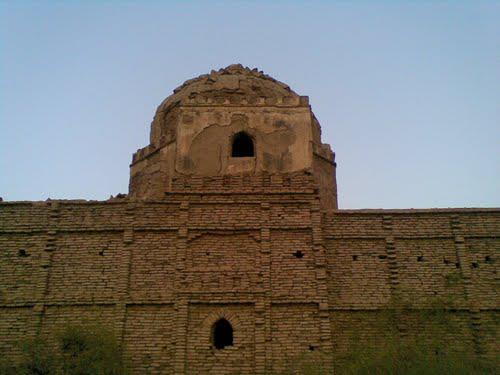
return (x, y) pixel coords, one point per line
(411, 358)
(76, 350)
(88, 350)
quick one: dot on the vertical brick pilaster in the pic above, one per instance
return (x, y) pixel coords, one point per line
(390, 248)
(120, 321)
(182, 303)
(263, 337)
(124, 269)
(182, 237)
(126, 256)
(180, 339)
(46, 261)
(465, 263)
(260, 336)
(326, 341)
(392, 262)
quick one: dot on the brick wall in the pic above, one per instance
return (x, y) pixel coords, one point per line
(291, 279)
(415, 260)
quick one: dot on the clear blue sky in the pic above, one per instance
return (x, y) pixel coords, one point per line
(407, 93)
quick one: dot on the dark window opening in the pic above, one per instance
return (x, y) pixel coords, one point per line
(474, 265)
(23, 253)
(354, 257)
(382, 257)
(242, 146)
(420, 258)
(488, 259)
(222, 334)
(298, 254)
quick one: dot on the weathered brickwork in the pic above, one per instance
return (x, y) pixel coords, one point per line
(255, 242)
(203, 358)
(148, 341)
(443, 258)
(295, 332)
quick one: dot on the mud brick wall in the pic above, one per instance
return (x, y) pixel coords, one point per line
(149, 344)
(16, 324)
(292, 280)
(293, 273)
(358, 330)
(291, 182)
(415, 260)
(295, 334)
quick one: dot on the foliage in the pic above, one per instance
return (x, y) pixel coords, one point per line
(76, 350)
(428, 347)
(88, 350)
(411, 357)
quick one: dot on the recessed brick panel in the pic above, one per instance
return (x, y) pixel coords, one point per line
(428, 272)
(148, 341)
(85, 267)
(359, 273)
(293, 274)
(295, 333)
(152, 266)
(21, 274)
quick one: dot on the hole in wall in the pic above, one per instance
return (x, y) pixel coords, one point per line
(457, 265)
(446, 261)
(354, 257)
(382, 257)
(242, 146)
(488, 259)
(101, 253)
(474, 265)
(222, 334)
(420, 258)
(207, 253)
(22, 253)
(311, 348)
(298, 254)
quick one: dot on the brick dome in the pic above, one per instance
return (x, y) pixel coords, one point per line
(239, 84)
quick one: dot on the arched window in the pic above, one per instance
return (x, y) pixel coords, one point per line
(242, 146)
(222, 334)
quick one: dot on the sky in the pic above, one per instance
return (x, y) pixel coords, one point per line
(407, 92)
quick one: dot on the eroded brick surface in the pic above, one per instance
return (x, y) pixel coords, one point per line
(256, 241)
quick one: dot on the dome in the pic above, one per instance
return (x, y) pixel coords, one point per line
(232, 122)
(240, 84)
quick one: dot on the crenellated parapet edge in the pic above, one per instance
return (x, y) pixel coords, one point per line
(324, 152)
(144, 153)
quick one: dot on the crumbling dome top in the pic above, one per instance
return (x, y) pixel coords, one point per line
(242, 84)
